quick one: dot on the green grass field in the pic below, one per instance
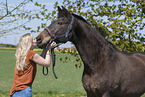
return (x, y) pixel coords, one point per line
(68, 84)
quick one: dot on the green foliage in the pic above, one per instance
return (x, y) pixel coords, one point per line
(121, 22)
(72, 52)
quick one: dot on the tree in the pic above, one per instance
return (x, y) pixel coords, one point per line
(15, 17)
(141, 3)
(121, 21)
(12, 15)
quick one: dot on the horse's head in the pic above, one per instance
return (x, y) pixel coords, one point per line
(59, 30)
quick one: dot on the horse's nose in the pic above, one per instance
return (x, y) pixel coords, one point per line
(39, 39)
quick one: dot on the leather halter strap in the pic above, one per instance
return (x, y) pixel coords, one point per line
(63, 35)
(49, 32)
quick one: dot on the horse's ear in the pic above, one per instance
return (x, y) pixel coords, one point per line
(66, 12)
(60, 12)
(59, 9)
(63, 8)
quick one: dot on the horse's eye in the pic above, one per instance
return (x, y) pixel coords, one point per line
(60, 23)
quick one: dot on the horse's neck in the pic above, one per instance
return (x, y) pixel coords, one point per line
(91, 45)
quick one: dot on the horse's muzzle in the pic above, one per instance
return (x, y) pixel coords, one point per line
(39, 40)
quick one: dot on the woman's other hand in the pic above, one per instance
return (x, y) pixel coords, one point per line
(53, 44)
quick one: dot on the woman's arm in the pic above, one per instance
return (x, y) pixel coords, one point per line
(41, 61)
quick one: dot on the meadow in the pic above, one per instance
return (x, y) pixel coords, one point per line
(68, 84)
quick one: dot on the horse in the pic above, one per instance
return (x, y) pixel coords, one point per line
(107, 72)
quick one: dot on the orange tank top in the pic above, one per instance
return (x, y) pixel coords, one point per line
(25, 78)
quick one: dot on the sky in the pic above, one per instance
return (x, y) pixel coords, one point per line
(14, 38)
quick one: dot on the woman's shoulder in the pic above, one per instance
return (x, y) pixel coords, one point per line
(30, 54)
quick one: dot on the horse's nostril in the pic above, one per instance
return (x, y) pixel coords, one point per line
(39, 39)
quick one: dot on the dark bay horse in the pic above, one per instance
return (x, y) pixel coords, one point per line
(108, 72)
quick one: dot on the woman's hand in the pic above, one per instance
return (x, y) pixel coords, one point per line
(53, 44)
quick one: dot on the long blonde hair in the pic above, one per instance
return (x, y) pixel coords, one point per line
(25, 44)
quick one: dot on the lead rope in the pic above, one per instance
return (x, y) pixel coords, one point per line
(43, 55)
(53, 56)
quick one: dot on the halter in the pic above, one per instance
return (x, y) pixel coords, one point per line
(63, 35)
(52, 50)
(49, 32)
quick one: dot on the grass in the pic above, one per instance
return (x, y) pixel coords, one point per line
(68, 82)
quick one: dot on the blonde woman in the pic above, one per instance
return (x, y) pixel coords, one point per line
(25, 69)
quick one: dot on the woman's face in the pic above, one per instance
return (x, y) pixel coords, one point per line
(34, 42)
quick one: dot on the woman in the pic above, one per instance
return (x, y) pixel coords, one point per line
(25, 69)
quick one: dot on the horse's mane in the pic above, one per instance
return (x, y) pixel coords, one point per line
(80, 18)
(103, 31)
